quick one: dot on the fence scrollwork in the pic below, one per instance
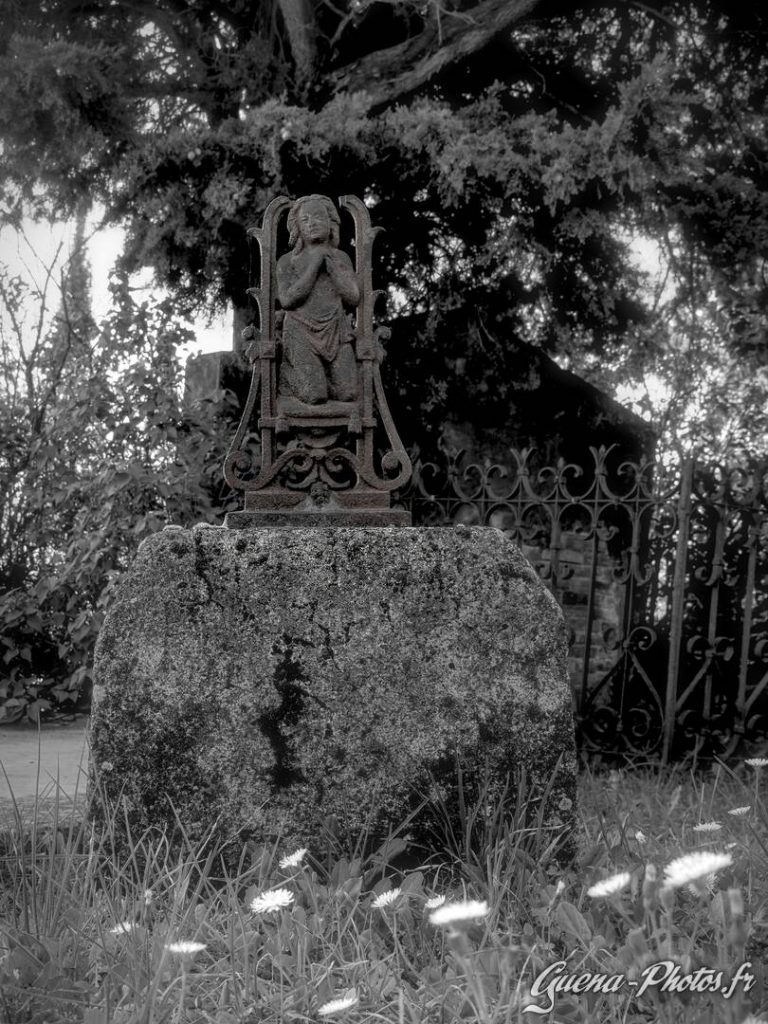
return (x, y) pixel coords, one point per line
(663, 577)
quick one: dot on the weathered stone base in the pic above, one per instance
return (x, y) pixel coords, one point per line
(302, 518)
(266, 680)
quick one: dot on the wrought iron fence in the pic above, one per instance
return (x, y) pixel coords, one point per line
(663, 578)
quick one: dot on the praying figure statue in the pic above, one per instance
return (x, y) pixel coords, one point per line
(315, 280)
(324, 449)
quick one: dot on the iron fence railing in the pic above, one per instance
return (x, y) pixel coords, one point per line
(663, 578)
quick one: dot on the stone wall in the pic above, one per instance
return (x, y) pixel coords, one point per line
(576, 578)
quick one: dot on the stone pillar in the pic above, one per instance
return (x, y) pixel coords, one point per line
(207, 374)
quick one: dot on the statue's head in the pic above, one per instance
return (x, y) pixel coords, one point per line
(297, 217)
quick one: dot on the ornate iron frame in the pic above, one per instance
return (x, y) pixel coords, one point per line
(310, 477)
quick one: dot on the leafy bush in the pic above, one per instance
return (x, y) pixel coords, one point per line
(96, 452)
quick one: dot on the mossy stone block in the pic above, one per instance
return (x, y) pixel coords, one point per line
(263, 682)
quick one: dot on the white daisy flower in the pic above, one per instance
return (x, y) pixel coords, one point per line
(271, 901)
(123, 928)
(185, 948)
(757, 762)
(385, 899)
(452, 913)
(434, 902)
(293, 859)
(738, 811)
(694, 865)
(703, 885)
(707, 826)
(608, 886)
(345, 1002)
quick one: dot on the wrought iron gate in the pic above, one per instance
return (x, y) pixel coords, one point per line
(663, 578)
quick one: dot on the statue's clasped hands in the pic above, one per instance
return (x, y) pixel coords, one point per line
(324, 254)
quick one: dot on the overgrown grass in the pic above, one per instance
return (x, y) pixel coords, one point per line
(87, 934)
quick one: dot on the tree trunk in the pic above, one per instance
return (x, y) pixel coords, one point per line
(299, 19)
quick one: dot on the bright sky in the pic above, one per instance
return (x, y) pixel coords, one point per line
(31, 253)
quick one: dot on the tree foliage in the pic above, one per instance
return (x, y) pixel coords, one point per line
(512, 148)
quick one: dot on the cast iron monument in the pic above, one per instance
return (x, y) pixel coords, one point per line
(316, 372)
(261, 682)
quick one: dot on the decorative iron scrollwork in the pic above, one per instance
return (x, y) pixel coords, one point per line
(679, 661)
(316, 373)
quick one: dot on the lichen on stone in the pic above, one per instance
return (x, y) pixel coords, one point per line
(262, 682)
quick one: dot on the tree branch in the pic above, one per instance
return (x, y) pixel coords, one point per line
(300, 23)
(388, 75)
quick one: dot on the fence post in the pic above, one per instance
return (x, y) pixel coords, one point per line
(678, 602)
(753, 533)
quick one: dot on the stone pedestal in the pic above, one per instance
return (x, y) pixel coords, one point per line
(269, 679)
